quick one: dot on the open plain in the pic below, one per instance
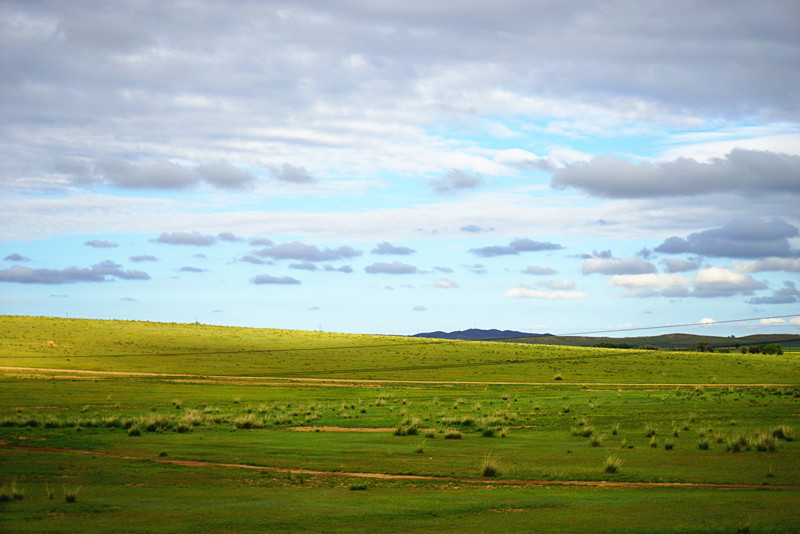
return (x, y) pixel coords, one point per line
(149, 427)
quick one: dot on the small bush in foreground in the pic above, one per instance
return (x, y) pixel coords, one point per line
(490, 467)
(612, 464)
(357, 487)
(669, 445)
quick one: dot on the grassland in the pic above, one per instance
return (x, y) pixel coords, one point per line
(175, 427)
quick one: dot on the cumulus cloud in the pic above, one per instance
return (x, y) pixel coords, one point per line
(224, 175)
(515, 247)
(559, 284)
(443, 269)
(97, 243)
(445, 283)
(620, 266)
(189, 269)
(99, 272)
(711, 282)
(279, 280)
(143, 257)
(788, 294)
(158, 174)
(343, 269)
(768, 264)
(539, 271)
(387, 248)
(456, 180)
(16, 257)
(229, 237)
(673, 265)
(523, 292)
(742, 171)
(295, 250)
(291, 174)
(185, 238)
(252, 259)
(304, 266)
(743, 238)
(395, 267)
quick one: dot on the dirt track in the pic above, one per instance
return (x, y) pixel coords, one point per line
(281, 381)
(386, 476)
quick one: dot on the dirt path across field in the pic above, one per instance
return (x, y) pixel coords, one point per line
(386, 476)
(294, 381)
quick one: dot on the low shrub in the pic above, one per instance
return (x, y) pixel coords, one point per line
(703, 442)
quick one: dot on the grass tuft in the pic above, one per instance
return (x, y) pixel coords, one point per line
(490, 466)
(452, 433)
(595, 440)
(612, 464)
(71, 493)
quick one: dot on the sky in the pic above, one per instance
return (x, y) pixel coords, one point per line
(391, 167)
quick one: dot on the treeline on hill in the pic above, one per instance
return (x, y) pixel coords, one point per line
(703, 346)
(769, 348)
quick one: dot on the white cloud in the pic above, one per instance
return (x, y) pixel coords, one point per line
(768, 264)
(522, 292)
(706, 320)
(773, 321)
(650, 281)
(445, 283)
(617, 266)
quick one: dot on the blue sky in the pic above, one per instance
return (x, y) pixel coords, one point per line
(396, 167)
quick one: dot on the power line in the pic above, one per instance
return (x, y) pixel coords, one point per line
(679, 325)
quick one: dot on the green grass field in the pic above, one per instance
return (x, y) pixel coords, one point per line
(192, 428)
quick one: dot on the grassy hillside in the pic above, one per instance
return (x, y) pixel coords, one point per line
(216, 350)
(667, 341)
(185, 428)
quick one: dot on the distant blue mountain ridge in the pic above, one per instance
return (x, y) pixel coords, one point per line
(474, 334)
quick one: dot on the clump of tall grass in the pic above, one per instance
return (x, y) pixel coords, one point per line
(654, 442)
(762, 441)
(668, 444)
(703, 443)
(783, 432)
(246, 421)
(490, 466)
(612, 464)
(615, 429)
(11, 491)
(595, 440)
(452, 433)
(71, 493)
(650, 430)
(408, 427)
